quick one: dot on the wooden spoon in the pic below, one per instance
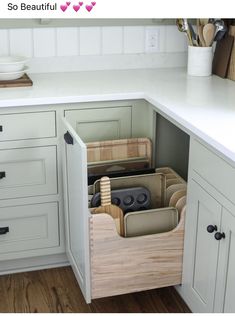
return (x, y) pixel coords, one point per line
(200, 34)
(107, 207)
(209, 34)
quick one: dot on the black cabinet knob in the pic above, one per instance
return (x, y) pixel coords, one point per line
(4, 230)
(2, 174)
(219, 236)
(1, 129)
(211, 228)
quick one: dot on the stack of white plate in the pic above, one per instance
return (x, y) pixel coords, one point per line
(12, 67)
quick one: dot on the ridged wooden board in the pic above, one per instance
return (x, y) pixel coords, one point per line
(119, 149)
(107, 207)
(231, 68)
(123, 265)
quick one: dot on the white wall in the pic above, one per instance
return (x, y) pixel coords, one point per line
(91, 48)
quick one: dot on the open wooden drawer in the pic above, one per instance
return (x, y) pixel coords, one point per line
(104, 263)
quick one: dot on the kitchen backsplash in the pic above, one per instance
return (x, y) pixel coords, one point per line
(91, 48)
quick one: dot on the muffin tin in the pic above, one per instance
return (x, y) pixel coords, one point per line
(128, 199)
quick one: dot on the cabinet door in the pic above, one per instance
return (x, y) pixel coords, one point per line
(201, 249)
(225, 289)
(76, 207)
(101, 123)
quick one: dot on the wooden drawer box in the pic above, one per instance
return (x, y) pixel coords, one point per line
(27, 126)
(121, 265)
(28, 172)
(213, 169)
(28, 227)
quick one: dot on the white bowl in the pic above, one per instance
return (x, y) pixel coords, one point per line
(12, 75)
(12, 63)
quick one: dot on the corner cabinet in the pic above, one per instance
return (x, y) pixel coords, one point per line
(103, 262)
(209, 256)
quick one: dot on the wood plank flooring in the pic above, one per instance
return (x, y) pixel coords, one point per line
(56, 291)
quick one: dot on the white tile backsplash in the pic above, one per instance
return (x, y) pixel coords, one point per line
(134, 39)
(175, 40)
(90, 40)
(94, 47)
(112, 40)
(20, 41)
(67, 41)
(44, 42)
(4, 42)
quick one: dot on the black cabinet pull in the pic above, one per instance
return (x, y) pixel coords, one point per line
(219, 236)
(2, 174)
(1, 128)
(4, 230)
(68, 138)
(211, 228)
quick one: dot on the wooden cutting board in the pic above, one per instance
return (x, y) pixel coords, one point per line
(107, 207)
(231, 68)
(119, 149)
(24, 81)
(222, 56)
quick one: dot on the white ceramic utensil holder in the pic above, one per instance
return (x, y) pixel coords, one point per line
(200, 61)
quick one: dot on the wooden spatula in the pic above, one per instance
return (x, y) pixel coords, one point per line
(107, 207)
(209, 34)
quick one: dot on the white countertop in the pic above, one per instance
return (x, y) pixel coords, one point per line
(202, 106)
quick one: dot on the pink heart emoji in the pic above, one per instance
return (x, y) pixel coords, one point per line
(93, 3)
(89, 8)
(68, 3)
(76, 8)
(63, 7)
(80, 3)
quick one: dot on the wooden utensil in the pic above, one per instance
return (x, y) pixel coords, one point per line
(200, 34)
(208, 34)
(107, 207)
(203, 22)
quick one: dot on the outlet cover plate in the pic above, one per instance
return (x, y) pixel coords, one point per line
(152, 39)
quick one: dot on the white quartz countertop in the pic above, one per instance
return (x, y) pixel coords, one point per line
(202, 106)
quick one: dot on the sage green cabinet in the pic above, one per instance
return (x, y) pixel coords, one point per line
(98, 124)
(208, 283)
(201, 249)
(225, 301)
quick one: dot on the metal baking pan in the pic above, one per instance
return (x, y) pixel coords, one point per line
(150, 221)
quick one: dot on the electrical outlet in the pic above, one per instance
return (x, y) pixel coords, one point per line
(152, 39)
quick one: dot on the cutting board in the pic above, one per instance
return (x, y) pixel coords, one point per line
(119, 149)
(107, 207)
(222, 56)
(231, 68)
(24, 81)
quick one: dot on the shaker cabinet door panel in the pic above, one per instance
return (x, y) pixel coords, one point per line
(201, 248)
(101, 123)
(26, 172)
(225, 299)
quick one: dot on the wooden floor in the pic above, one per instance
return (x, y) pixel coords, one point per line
(56, 290)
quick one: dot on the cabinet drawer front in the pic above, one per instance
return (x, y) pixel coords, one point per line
(30, 227)
(27, 126)
(124, 265)
(28, 172)
(213, 169)
(101, 124)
